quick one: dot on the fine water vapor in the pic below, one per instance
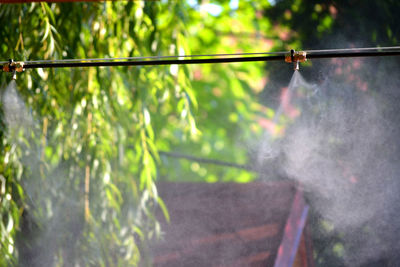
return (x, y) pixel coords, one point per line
(15, 112)
(46, 217)
(342, 150)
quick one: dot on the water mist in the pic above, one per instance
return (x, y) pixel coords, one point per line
(341, 150)
(44, 217)
(15, 112)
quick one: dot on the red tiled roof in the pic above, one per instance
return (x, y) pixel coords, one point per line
(225, 224)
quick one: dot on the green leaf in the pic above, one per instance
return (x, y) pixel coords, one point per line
(163, 208)
(46, 30)
(49, 12)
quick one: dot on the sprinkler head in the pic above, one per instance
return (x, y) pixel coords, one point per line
(295, 58)
(14, 67)
(296, 65)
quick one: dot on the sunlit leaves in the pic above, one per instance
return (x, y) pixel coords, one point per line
(225, 116)
(97, 128)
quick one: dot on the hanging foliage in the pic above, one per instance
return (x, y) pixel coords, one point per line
(78, 181)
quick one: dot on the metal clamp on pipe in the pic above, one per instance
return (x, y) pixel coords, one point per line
(13, 66)
(295, 58)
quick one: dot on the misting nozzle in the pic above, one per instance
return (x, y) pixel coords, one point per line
(14, 67)
(295, 58)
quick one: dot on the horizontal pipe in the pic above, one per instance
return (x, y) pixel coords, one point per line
(352, 54)
(204, 160)
(153, 62)
(319, 55)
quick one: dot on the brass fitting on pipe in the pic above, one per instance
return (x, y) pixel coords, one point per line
(14, 67)
(295, 58)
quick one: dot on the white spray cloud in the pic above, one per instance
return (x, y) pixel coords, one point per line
(15, 112)
(341, 151)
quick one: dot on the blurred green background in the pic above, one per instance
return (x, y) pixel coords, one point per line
(78, 177)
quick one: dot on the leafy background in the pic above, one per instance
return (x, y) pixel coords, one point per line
(78, 167)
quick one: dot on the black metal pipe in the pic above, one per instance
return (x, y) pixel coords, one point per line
(153, 62)
(205, 160)
(310, 55)
(352, 54)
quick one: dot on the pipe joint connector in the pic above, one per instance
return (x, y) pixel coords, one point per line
(14, 67)
(296, 57)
